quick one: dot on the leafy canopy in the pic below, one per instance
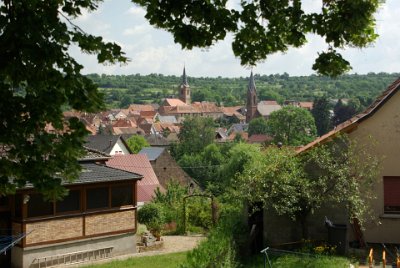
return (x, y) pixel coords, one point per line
(261, 28)
(136, 143)
(258, 126)
(37, 78)
(339, 173)
(196, 133)
(292, 126)
(322, 115)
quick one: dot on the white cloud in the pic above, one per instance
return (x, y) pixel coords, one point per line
(139, 29)
(154, 51)
(136, 10)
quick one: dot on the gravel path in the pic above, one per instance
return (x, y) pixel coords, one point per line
(172, 243)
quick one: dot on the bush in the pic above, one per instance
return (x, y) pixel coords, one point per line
(219, 250)
(152, 216)
(216, 251)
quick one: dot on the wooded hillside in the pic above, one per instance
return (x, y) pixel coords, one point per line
(121, 90)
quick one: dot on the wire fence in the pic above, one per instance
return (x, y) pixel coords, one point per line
(280, 252)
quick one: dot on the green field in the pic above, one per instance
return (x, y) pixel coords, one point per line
(158, 261)
(175, 259)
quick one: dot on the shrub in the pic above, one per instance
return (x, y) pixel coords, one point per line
(216, 251)
(152, 216)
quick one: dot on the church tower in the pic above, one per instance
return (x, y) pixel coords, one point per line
(184, 89)
(251, 104)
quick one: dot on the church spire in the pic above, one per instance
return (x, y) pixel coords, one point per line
(252, 84)
(184, 77)
(251, 104)
(184, 89)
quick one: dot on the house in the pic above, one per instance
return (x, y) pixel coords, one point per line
(380, 122)
(97, 219)
(109, 144)
(308, 105)
(265, 108)
(157, 140)
(259, 139)
(234, 114)
(140, 164)
(204, 108)
(137, 108)
(165, 166)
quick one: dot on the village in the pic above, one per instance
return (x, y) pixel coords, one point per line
(99, 216)
(141, 165)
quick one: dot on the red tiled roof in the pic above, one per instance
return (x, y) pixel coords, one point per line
(230, 111)
(174, 102)
(140, 107)
(306, 104)
(124, 123)
(138, 163)
(350, 124)
(147, 114)
(259, 138)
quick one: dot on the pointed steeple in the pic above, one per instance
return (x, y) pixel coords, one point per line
(252, 84)
(184, 77)
(184, 89)
(251, 104)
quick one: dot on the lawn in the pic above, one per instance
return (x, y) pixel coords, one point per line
(157, 261)
(289, 261)
(175, 259)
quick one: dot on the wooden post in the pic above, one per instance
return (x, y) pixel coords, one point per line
(371, 258)
(398, 262)
(384, 259)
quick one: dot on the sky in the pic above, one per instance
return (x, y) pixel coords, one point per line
(153, 50)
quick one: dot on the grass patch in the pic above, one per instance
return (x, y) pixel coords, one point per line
(298, 262)
(172, 260)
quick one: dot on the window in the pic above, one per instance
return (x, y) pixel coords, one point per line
(391, 192)
(121, 195)
(97, 198)
(38, 207)
(72, 202)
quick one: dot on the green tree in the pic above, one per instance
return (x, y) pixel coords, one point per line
(258, 126)
(292, 126)
(261, 28)
(136, 143)
(322, 115)
(297, 185)
(195, 134)
(37, 78)
(342, 112)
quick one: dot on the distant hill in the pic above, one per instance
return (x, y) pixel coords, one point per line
(121, 90)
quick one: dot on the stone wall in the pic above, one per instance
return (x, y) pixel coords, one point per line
(51, 230)
(110, 222)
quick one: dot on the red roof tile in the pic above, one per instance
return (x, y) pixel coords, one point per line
(138, 163)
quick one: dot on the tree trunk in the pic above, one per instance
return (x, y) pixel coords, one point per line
(302, 218)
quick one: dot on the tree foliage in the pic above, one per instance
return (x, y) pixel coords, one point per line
(136, 143)
(258, 126)
(342, 112)
(262, 28)
(322, 115)
(153, 88)
(292, 126)
(195, 134)
(340, 173)
(37, 78)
